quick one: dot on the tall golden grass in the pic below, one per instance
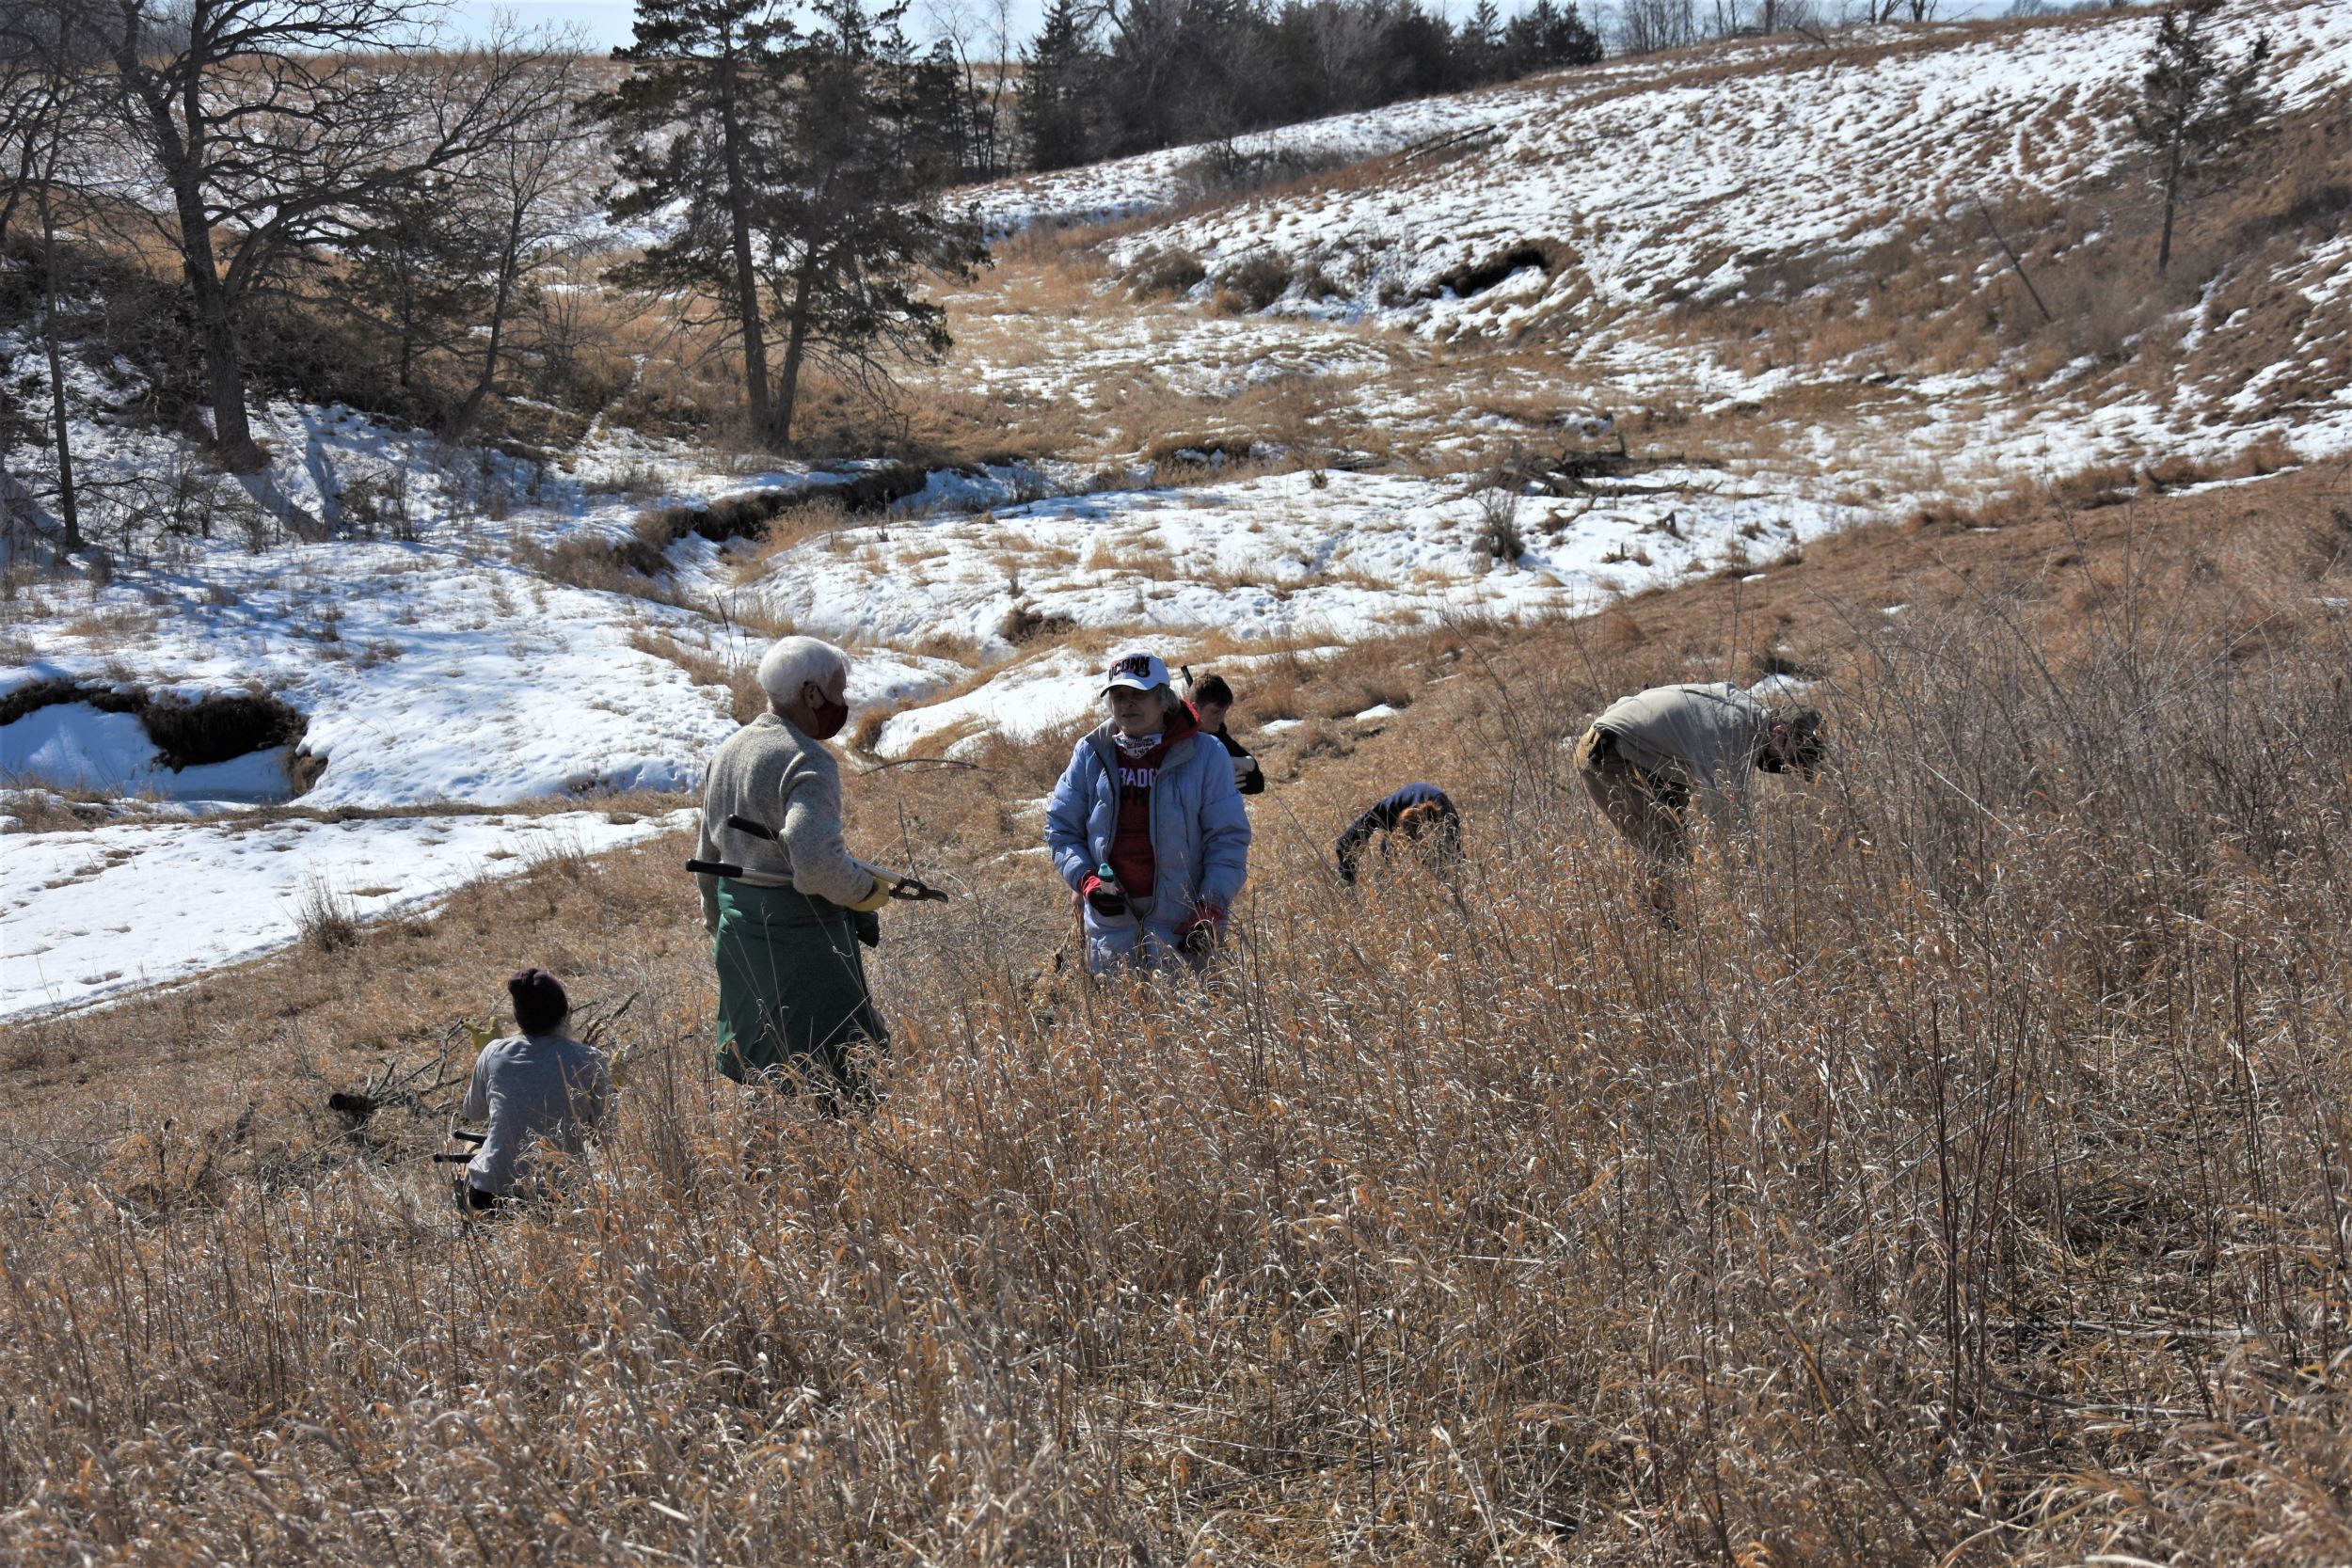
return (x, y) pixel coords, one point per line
(1965, 1182)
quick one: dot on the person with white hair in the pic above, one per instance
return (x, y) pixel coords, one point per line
(793, 1001)
(1147, 827)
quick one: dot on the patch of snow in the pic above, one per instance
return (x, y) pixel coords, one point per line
(95, 912)
(1267, 556)
(75, 746)
(1021, 702)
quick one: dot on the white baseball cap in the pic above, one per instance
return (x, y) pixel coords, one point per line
(1137, 670)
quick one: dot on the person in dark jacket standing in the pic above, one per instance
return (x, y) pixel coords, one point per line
(1213, 702)
(1419, 814)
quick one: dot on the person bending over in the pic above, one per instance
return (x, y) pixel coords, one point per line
(1420, 814)
(1649, 757)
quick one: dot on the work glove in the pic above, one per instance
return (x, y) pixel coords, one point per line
(875, 899)
(1199, 936)
(868, 926)
(1104, 897)
(1245, 769)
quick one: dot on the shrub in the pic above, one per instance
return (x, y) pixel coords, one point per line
(1165, 272)
(1499, 534)
(325, 918)
(1254, 283)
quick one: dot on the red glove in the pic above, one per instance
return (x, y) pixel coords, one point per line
(1105, 896)
(1200, 937)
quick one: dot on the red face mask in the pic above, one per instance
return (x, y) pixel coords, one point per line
(826, 718)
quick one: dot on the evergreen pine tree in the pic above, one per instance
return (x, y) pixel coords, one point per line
(420, 278)
(1060, 74)
(692, 130)
(1481, 42)
(856, 221)
(2196, 112)
(1546, 37)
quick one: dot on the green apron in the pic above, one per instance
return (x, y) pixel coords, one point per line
(792, 988)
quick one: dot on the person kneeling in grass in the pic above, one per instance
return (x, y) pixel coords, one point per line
(542, 1084)
(1421, 815)
(793, 1001)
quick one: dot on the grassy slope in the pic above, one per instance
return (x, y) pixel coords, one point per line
(1963, 1186)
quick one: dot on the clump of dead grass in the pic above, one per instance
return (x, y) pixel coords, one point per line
(736, 670)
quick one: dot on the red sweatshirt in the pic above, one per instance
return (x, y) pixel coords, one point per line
(1132, 858)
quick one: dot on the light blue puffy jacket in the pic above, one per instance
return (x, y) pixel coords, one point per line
(1200, 831)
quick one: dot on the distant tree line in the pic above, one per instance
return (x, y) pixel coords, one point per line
(1105, 80)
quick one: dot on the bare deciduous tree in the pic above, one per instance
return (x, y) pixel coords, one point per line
(978, 34)
(273, 129)
(49, 102)
(532, 192)
(1645, 27)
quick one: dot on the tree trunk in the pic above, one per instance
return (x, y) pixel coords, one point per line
(16, 189)
(746, 272)
(224, 365)
(407, 334)
(217, 329)
(803, 283)
(510, 266)
(2171, 197)
(69, 504)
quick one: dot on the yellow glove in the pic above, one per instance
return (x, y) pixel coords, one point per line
(875, 899)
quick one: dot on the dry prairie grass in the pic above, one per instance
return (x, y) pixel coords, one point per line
(1964, 1184)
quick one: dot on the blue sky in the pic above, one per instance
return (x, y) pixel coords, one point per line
(607, 22)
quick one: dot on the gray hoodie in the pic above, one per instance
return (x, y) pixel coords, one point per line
(533, 1086)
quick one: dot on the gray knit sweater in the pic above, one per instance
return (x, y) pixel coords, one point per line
(771, 772)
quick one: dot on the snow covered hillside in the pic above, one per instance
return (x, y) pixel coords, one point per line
(1796, 240)
(1615, 190)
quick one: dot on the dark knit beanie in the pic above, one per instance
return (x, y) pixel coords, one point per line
(540, 1005)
